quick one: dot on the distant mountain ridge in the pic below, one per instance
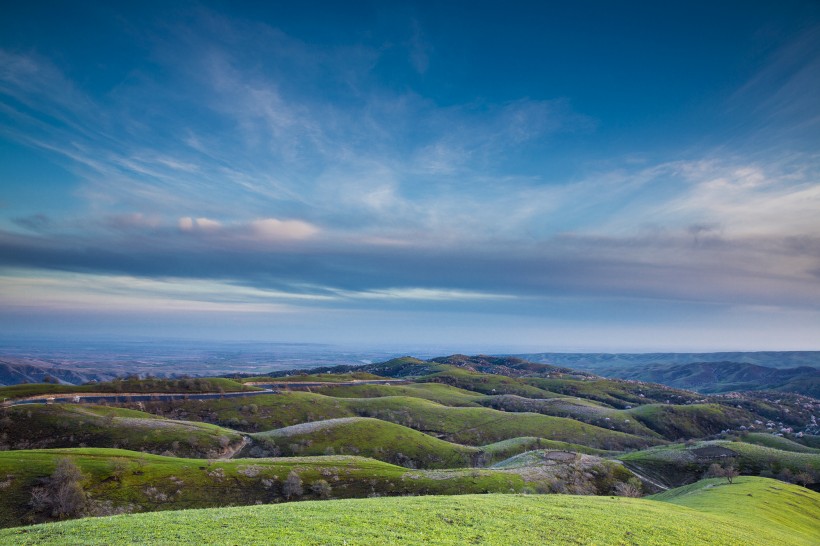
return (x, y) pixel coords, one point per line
(14, 371)
(593, 362)
(717, 377)
(506, 365)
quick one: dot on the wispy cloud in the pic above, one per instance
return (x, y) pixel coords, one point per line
(253, 170)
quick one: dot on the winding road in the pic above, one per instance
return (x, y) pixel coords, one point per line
(266, 388)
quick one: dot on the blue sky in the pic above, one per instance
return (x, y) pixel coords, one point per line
(471, 175)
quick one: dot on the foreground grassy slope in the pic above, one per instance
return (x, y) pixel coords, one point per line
(120, 480)
(692, 517)
(787, 510)
(38, 426)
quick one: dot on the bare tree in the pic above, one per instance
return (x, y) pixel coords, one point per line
(804, 478)
(726, 470)
(292, 486)
(631, 488)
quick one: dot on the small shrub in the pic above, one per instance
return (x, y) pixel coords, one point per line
(321, 489)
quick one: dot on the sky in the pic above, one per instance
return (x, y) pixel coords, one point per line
(480, 176)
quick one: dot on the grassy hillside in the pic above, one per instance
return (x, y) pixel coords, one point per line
(125, 481)
(698, 516)
(256, 414)
(370, 438)
(463, 425)
(616, 393)
(776, 442)
(436, 392)
(579, 409)
(680, 464)
(191, 385)
(789, 512)
(391, 443)
(487, 383)
(691, 421)
(38, 426)
(479, 426)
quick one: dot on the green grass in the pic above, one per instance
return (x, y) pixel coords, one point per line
(463, 425)
(370, 438)
(508, 448)
(696, 517)
(407, 366)
(193, 385)
(579, 409)
(776, 442)
(392, 443)
(783, 509)
(152, 482)
(479, 426)
(69, 425)
(616, 393)
(486, 383)
(436, 392)
(690, 421)
(756, 458)
(258, 413)
(678, 464)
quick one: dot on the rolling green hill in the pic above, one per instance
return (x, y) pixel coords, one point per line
(436, 392)
(474, 426)
(129, 385)
(691, 421)
(125, 481)
(119, 481)
(38, 426)
(679, 464)
(389, 442)
(751, 511)
(776, 442)
(368, 437)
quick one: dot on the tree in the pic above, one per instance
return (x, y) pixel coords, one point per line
(292, 486)
(730, 473)
(727, 470)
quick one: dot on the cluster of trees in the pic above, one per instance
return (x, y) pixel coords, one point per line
(60, 495)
